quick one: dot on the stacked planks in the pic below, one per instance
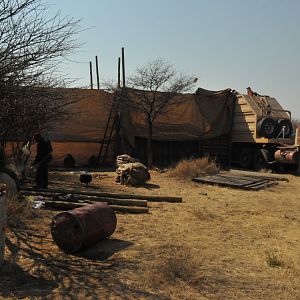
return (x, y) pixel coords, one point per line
(245, 182)
(69, 199)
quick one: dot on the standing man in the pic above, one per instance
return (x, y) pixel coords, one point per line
(42, 159)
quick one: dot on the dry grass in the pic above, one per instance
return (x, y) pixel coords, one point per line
(19, 212)
(191, 168)
(176, 262)
(220, 243)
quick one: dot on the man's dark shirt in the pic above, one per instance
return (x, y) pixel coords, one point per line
(43, 152)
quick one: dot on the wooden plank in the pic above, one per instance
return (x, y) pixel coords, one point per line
(232, 180)
(261, 186)
(216, 181)
(111, 195)
(76, 197)
(253, 174)
(241, 179)
(236, 182)
(70, 205)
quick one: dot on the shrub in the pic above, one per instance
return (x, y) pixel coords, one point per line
(273, 259)
(18, 212)
(175, 263)
(191, 168)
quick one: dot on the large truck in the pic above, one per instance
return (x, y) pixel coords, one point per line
(263, 134)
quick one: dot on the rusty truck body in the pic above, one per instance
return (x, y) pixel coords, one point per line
(262, 133)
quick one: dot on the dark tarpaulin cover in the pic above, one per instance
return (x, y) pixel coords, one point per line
(202, 115)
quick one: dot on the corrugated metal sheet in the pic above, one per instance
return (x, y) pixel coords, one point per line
(168, 152)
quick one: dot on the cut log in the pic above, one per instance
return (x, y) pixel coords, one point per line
(76, 197)
(112, 195)
(118, 208)
(130, 209)
(63, 205)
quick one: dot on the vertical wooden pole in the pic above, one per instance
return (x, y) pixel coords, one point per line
(119, 72)
(91, 75)
(2, 222)
(97, 73)
(123, 67)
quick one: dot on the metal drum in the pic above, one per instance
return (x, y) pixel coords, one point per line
(82, 227)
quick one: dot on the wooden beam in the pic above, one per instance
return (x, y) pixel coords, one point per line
(91, 75)
(97, 73)
(123, 67)
(112, 195)
(71, 205)
(76, 197)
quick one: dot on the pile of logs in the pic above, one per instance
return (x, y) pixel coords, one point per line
(69, 199)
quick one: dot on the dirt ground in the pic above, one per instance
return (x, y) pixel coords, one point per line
(220, 243)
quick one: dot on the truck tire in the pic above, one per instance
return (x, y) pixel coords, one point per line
(288, 127)
(261, 158)
(267, 128)
(245, 158)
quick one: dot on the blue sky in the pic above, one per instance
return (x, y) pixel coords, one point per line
(225, 43)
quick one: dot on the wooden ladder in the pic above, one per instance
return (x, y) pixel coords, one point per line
(108, 132)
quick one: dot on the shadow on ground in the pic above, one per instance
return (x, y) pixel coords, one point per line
(39, 269)
(103, 250)
(150, 186)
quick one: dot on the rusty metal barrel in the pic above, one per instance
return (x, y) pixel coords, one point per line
(80, 228)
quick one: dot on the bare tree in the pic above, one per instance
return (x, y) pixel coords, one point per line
(153, 90)
(32, 45)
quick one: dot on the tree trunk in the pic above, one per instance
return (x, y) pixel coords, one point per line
(149, 143)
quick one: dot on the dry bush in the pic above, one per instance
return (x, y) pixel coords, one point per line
(204, 214)
(18, 212)
(273, 259)
(175, 263)
(191, 168)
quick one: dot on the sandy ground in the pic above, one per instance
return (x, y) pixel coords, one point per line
(220, 243)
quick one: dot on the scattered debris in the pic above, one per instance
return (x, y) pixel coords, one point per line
(37, 204)
(203, 193)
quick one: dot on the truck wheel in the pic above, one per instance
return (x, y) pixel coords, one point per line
(245, 158)
(267, 127)
(287, 125)
(260, 159)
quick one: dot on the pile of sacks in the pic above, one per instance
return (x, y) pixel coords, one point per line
(131, 171)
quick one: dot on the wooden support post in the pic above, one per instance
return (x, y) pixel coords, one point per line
(2, 222)
(97, 73)
(123, 67)
(91, 75)
(119, 72)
